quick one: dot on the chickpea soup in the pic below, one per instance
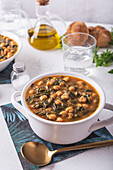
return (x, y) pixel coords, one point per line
(62, 98)
(8, 47)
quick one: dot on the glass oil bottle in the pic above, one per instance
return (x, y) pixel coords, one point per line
(43, 35)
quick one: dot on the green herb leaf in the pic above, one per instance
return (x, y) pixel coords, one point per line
(111, 71)
(104, 59)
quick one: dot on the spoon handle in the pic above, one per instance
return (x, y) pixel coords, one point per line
(86, 146)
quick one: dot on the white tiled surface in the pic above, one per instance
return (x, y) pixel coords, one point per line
(38, 62)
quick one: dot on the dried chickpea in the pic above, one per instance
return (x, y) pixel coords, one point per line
(59, 93)
(52, 116)
(66, 79)
(82, 99)
(40, 83)
(63, 113)
(58, 101)
(31, 91)
(71, 88)
(59, 119)
(56, 87)
(65, 96)
(69, 109)
(43, 97)
(54, 95)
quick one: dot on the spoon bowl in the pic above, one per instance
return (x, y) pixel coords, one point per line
(38, 154)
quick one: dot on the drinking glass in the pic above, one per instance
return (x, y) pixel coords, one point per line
(13, 18)
(78, 52)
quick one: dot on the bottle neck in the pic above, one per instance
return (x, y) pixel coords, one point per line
(41, 10)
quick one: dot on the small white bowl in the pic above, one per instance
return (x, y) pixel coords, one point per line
(6, 62)
(63, 132)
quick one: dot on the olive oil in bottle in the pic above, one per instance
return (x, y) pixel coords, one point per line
(45, 39)
(43, 35)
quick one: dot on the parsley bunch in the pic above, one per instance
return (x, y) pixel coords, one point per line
(104, 59)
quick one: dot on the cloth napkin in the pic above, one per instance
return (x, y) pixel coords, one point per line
(21, 132)
(5, 74)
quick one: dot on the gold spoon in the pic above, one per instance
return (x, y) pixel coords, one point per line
(38, 154)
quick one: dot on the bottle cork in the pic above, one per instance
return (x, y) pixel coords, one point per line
(42, 2)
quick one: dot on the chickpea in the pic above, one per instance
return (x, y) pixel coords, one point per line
(62, 83)
(48, 109)
(80, 83)
(9, 54)
(65, 96)
(43, 97)
(52, 116)
(90, 98)
(2, 44)
(66, 79)
(6, 51)
(1, 59)
(94, 94)
(69, 109)
(82, 99)
(40, 83)
(94, 101)
(53, 95)
(53, 78)
(58, 101)
(56, 87)
(91, 107)
(71, 88)
(80, 87)
(12, 43)
(75, 115)
(79, 105)
(70, 115)
(47, 87)
(59, 93)
(85, 106)
(31, 91)
(49, 100)
(59, 119)
(49, 83)
(63, 113)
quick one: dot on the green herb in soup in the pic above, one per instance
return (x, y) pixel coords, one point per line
(62, 98)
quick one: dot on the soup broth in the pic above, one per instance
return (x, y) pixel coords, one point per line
(62, 98)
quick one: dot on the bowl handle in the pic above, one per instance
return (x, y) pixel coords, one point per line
(103, 123)
(17, 105)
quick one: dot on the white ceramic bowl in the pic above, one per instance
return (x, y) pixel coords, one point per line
(62, 132)
(5, 63)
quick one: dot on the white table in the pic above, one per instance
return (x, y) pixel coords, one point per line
(38, 62)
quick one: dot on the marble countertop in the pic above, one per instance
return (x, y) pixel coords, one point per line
(38, 62)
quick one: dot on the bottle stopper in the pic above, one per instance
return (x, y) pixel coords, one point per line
(42, 2)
